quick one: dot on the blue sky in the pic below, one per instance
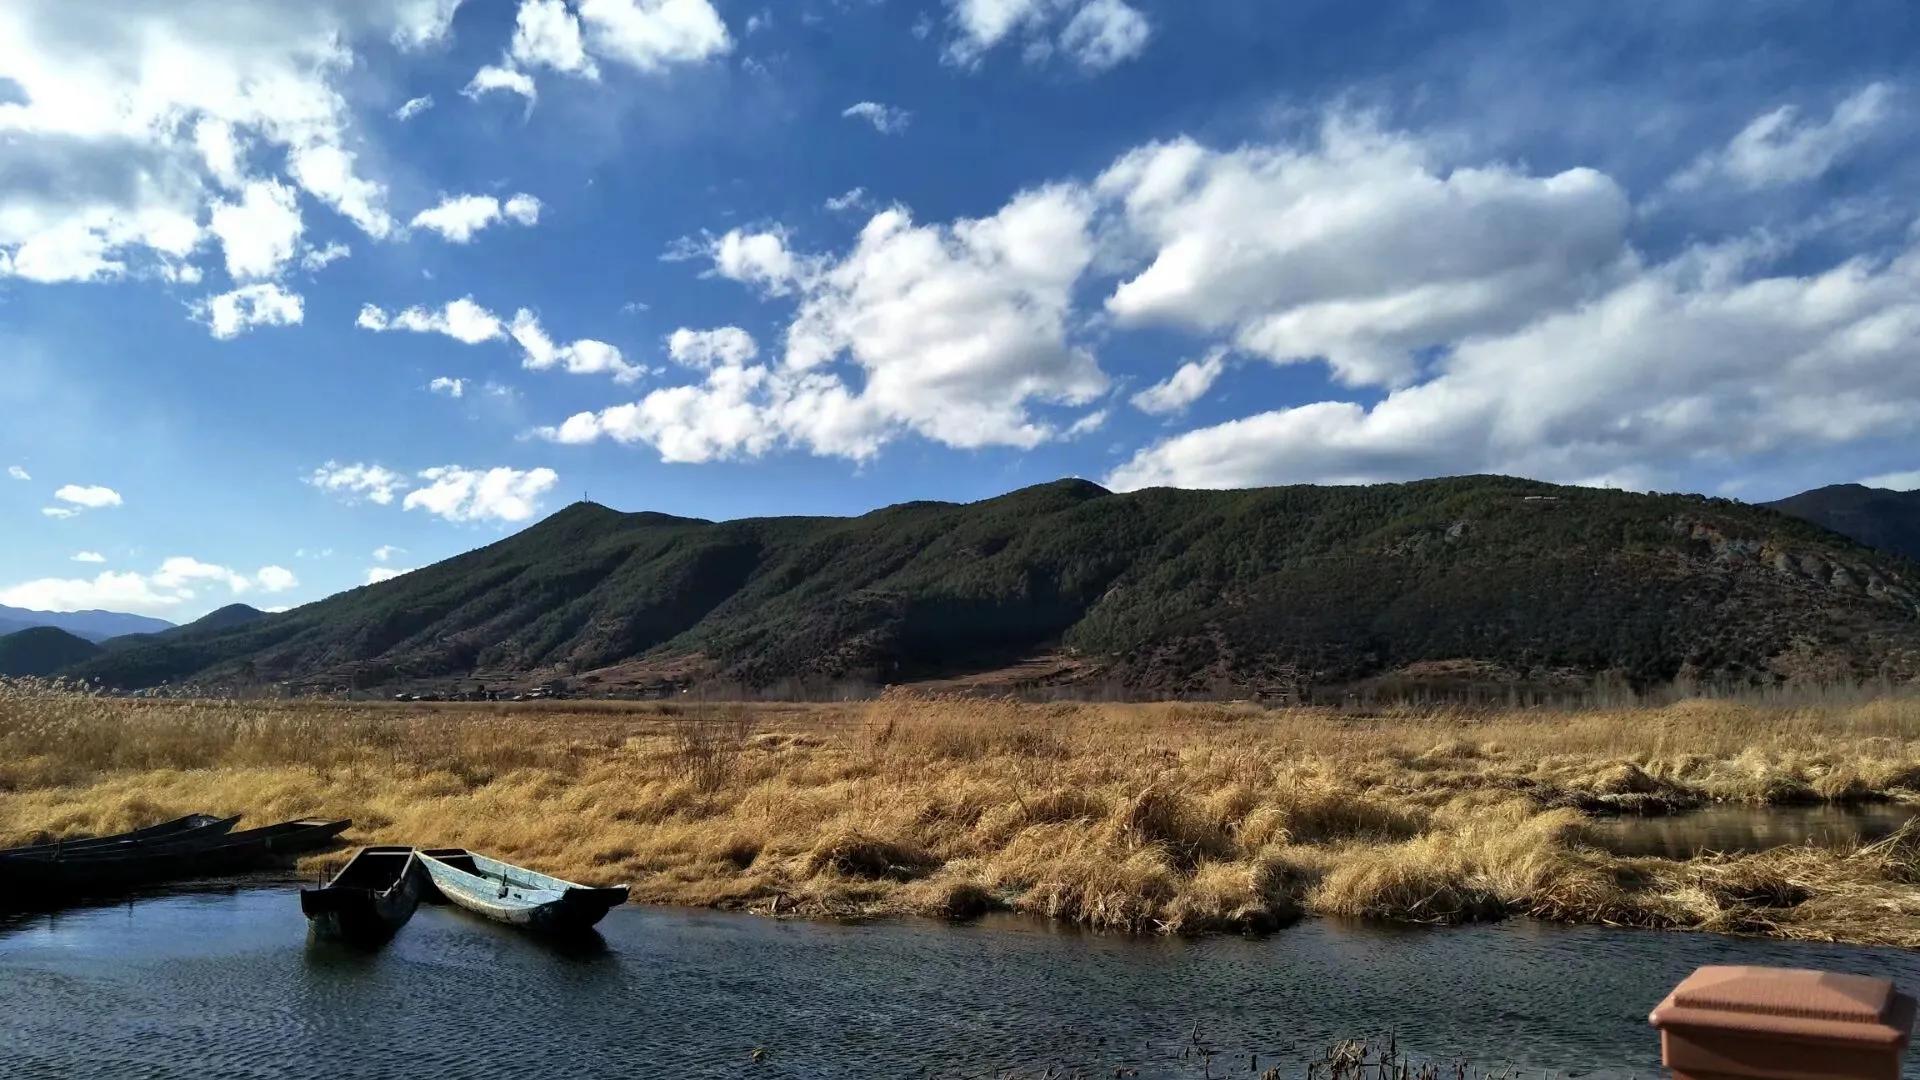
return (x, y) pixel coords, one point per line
(727, 258)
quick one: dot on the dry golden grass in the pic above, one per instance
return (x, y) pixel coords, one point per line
(1136, 817)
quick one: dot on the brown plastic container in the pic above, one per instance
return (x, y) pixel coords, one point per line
(1783, 1024)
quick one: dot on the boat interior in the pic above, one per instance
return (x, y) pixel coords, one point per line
(373, 868)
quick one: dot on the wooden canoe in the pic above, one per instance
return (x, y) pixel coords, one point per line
(193, 825)
(370, 899)
(50, 875)
(517, 896)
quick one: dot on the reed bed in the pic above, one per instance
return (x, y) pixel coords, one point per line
(1139, 818)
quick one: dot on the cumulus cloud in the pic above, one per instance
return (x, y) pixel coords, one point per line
(260, 232)
(322, 257)
(1702, 359)
(18, 473)
(120, 143)
(886, 119)
(378, 574)
(1094, 34)
(499, 77)
(761, 258)
(353, 482)
(413, 107)
(385, 553)
(711, 348)
(852, 199)
(645, 35)
(90, 496)
(89, 557)
(467, 495)
(462, 320)
(1779, 147)
(585, 356)
(458, 218)
(453, 388)
(953, 332)
(1183, 387)
(178, 581)
(230, 314)
(1360, 249)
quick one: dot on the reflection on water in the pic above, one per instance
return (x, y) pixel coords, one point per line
(229, 985)
(1747, 828)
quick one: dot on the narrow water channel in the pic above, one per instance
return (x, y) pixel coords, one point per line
(227, 984)
(1750, 828)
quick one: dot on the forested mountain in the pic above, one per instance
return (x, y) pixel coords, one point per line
(92, 625)
(1154, 592)
(1876, 517)
(42, 650)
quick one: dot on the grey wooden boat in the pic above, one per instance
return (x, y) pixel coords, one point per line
(515, 895)
(181, 828)
(38, 877)
(370, 899)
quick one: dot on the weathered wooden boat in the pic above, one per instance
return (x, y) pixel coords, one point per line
(517, 896)
(193, 825)
(53, 874)
(370, 899)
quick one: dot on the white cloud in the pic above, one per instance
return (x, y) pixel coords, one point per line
(124, 120)
(458, 218)
(420, 23)
(375, 483)
(1361, 250)
(413, 107)
(386, 552)
(178, 581)
(498, 77)
(1183, 387)
(853, 199)
(956, 329)
(260, 232)
(499, 494)
(583, 357)
(1097, 35)
(230, 314)
(91, 496)
(89, 557)
(1778, 147)
(60, 512)
(546, 34)
(18, 473)
(462, 320)
(711, 348)
(759, 258)
(321, 258)
(1087, 424)
(1701, 360)
(649, 35)
(1104, 33)
(1897, 481)
(378, 574)
(522, 209)
(451, 387)
(886, 119)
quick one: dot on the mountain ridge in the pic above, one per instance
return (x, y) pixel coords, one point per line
(1157, 592)
(93, 624)
(1877, 517)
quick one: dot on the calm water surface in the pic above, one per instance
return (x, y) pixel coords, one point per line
(228, 985)
(1746, 828)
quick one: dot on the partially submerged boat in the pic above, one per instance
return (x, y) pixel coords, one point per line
(180, 828)
(370, 899)
(57, 874)
(515, 895)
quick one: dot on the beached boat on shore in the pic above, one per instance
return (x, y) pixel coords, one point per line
(515, 895)
(370, 899)
(181, 828)
(51, 875)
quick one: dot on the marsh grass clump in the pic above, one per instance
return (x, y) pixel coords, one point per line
(1178, 818)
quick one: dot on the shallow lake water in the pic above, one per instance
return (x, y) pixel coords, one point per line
(1747, 828)
(228, 984)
